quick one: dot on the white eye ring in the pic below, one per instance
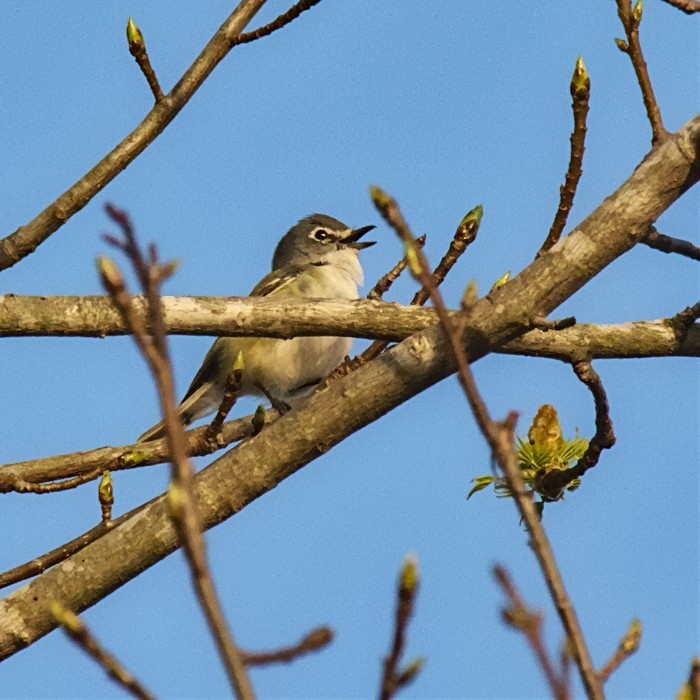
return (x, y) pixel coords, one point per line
(321, 235)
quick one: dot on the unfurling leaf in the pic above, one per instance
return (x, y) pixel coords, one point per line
(480, 483)
(500, 281)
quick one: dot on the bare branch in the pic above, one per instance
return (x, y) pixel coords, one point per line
(500, 439)
(285, 18)
(385, 282)
(604, 437)
(328, 416)
(78, 631)
(628, 646)
(529, 622)
(137, 48)
(687, 6)
(27, 238)
(181, 500)
(392, 677)
(580, 93)
(315, 640)
(668, 244)
(631, 18)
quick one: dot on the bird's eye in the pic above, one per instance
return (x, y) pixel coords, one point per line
(321, 235)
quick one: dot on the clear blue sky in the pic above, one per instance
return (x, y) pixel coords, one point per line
(445, 105)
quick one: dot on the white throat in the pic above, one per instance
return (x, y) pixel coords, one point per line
(345, 262)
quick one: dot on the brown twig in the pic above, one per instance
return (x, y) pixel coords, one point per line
(79, 633)
(40, 564)
(687, 6)
(580, 93)
(231, 389)
(604, 438)
(12, 483)
(631, 18)
(314, 641)
(393, 678)
(683, 321)
(464, 235)
(385, 282)
(27, 238)
(545, 324)
(627, 647)
(668, 244)
(285, 18)
(89, 464)
(137, 48)
(181, 500)
(529, 622)
(500, 437)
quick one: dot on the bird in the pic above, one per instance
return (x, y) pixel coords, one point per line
(317, 258)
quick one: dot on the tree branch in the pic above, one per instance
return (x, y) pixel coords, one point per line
(580, 92)
(315, 640)
(78, 631)
(348, 404)
(284, 19)
(181, 502)
(631, 18)
(687, 6)
(27, 238)
(668, 244)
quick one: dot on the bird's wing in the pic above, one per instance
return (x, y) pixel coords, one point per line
(217, 358)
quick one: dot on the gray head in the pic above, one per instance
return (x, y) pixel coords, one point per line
(313, 238)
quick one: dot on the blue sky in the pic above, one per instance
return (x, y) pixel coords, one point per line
(445, 105)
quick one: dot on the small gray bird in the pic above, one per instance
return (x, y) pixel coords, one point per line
(316, 259)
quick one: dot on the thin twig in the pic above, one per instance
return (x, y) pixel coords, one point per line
(314, 641)
(137, 48)
(181, 499)
(683, 321)
(580, 93)
(687, 6)
(604, 438)
(629, 644)
(392, 677)
(285, 18)
(385, 282)
(27, 238)
(40, 564)
(500, 437)
(79, 633)
(529, 622)
(631, 18)
(668, 244)
(231, 389)
(11, 483)
(464, 236)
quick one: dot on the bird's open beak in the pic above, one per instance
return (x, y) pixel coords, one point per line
(353, 240)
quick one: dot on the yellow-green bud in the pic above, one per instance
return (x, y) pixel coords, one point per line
(633, 637)
(637, 11)
(379, 196)
(175, 501)
(133, 35)
(258, 420)
(412, 258)
(238, 363)
(65, 617)
(580, 82)
(474, 215)
(411, 671)
(109, 272)
(500, 281)
(470, 296)
(622, 45)
(409, 577)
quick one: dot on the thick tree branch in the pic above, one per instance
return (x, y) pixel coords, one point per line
(27, 238)
(348, 404)
(623, 341)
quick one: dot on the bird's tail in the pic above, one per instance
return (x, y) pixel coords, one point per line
(193, 407)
